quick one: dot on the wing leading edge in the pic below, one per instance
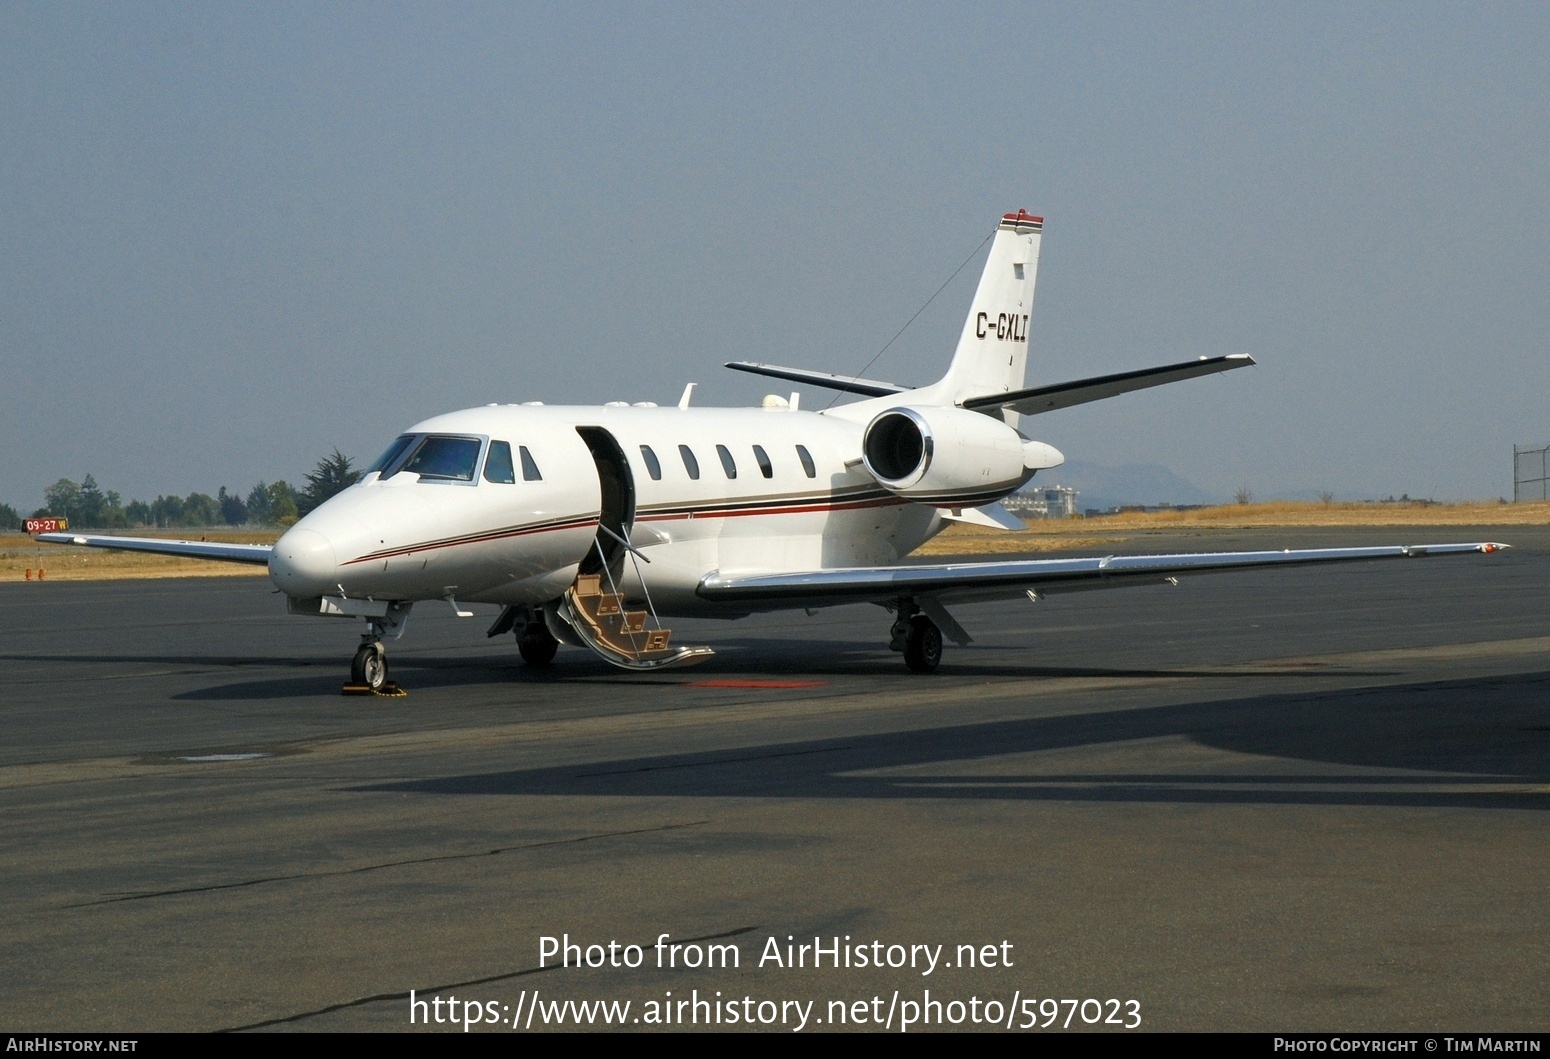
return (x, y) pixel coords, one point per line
(968, 581)
(230, 553)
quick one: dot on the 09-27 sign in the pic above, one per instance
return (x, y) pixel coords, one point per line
(45, 525)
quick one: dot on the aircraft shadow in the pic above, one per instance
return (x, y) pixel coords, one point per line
(759, 657)
(431, 674)
(1472, 737)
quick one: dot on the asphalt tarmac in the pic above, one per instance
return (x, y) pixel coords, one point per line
(1281, 800)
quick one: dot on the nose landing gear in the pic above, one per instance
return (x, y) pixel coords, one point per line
(370, 668)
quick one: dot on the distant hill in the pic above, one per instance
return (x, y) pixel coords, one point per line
(1098, 486)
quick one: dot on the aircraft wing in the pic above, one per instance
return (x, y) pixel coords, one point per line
(1065, 394)
(949, 582)
(231, 553)
(843, 383)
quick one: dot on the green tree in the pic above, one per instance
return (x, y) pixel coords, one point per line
(90, 502)
(61, 500)
(332, 475)
(113, 514)
(9, 518)
(259, 508)
(201, 509)
(167, 511)
(233, 511)
(138, 513)
(282, 504)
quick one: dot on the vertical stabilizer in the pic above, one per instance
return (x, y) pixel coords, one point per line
(993, 350)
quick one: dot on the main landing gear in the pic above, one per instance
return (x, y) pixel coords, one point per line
(536, 644)
(917, 637)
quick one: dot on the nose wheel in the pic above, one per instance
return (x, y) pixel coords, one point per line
(369, 669)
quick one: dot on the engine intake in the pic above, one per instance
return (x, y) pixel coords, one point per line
(898, 446)
(948, 457)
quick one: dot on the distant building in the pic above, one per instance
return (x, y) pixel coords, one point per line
(1054, 501)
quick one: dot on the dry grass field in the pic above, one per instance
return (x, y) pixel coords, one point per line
(1297, 513)
(1045, 535)
(19, 553)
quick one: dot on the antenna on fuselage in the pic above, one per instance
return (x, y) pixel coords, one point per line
(683, 402)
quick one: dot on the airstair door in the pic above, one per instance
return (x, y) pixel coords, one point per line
(594, 608)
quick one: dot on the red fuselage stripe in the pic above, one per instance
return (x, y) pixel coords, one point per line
(685, 514)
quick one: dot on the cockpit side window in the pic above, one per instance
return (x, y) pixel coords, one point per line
(529, 466)
(445, 458)
(393, 454)
(498, 466)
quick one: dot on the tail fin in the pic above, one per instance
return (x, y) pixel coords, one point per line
(992, 353)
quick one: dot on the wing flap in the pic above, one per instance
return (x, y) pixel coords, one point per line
(1014, 577)
(216, 550)
(1066, 394)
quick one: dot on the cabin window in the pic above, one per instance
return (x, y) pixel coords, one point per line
(443, 458)
(529, 467)
(807, 461)
(653, 465)
(763, 459)
(691, 464)
(394, 452)
(497, 465)
(727, 463)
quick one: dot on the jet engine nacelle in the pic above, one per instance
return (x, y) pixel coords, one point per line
(950, 457)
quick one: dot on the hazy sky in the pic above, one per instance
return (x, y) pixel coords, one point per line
(235, 237)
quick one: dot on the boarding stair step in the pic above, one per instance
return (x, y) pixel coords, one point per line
(618, 633)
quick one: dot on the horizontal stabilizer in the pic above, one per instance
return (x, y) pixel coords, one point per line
(1005, 580)
(1065, 394)
(843, 383)
(229, 553)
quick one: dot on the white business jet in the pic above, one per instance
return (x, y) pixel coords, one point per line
(590, 525)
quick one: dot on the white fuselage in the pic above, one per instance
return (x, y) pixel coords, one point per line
(410, 537)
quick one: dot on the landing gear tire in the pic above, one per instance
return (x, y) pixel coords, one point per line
(370, 666)
(923, 649)
(537, 644)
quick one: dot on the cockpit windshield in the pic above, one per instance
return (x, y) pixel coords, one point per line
(445, 458)
(394, 451)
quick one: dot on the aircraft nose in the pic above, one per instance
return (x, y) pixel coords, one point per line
(303, 564)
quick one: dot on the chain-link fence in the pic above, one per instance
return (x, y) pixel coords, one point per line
(1529, 480)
